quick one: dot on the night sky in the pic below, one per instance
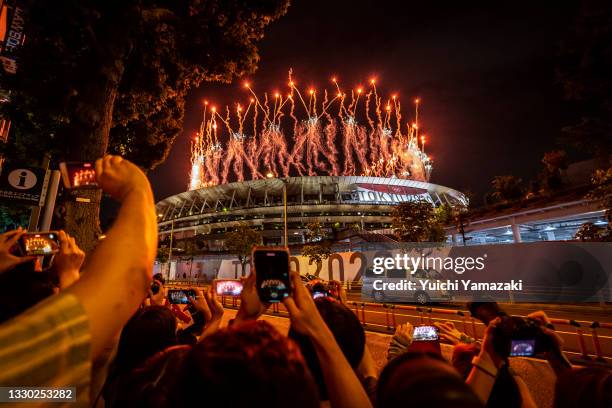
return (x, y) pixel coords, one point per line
(485, 72)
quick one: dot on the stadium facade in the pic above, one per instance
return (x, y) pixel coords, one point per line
(337, 202)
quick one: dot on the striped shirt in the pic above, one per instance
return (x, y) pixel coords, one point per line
(49, 345)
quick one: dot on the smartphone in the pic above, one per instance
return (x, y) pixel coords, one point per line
(39, 243)
(318, 294)
(272, 273)
(78, 174)
(227, 287)
(522, 348)
(425, 333)
(180, 296)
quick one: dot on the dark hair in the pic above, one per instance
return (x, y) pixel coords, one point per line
(484, 311)
(159, 277)
(151, 330)
(21, 288)
(505, 391)
(347, 331)
(586, 387)
(248, 365)
(423, 379)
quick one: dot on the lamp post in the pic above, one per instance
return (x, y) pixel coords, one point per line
(285, 181)
(170, 249)
(286, 240)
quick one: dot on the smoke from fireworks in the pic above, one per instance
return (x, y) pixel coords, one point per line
(332, 133)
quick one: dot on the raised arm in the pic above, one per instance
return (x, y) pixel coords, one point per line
(118, 273)
(343, 386)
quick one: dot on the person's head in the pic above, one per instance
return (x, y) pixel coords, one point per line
(484, 311)
(248, 365)
(347, 331)
(584, 387)
(423, 379)
(505, 392)
(21, 288)
(149, 331)
(159, 277)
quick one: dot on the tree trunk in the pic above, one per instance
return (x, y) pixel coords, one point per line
(91, 121)
(90, 135)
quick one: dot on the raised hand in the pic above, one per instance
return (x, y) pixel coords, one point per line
(250, 305)
(305, 317)
(68, 261)
(119, 177)
(449, 332)
(7, 259)
(207, 303)
(403, 333)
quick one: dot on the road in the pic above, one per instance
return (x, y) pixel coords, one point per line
(582, 343)
(379, 318)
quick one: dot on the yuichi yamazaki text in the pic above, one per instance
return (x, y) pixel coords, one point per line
(448, 285)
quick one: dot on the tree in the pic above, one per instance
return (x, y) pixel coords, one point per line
(417, 221)
(317, 250)
(13, 216)
(507, 188)
(602, 192)
(240, 242)
(555, 162)
(584, 73)
(98, 76)
(588, 232)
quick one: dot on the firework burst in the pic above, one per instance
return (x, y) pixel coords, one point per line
(357, 131)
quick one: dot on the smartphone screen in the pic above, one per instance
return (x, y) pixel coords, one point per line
(78, 175)
(228, 287)
(317, 294)
(425, 333)
(272, 272)
(180, 296)
(522, 348)
(39, 243)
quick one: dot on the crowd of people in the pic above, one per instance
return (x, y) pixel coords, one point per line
(103, 325)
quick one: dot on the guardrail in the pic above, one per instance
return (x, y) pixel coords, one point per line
(468, 322)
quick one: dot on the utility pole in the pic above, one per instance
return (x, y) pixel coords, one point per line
(286, 240)
(170, 249)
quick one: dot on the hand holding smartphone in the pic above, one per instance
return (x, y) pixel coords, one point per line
(228, 287)
(180, 296)
(522, 347)
(425, 333)
(78, 175)
(39, 243)
(272, 273)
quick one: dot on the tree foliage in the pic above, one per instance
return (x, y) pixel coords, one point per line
(589, 232)
(98, 76)
(584, 74)
(551, 177)
(602, 193)
(418, 221)
(317, 250)
(240, 242)
(13, 216)
(507, 188)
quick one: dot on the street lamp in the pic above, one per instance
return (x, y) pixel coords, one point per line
(286, 240)
(285, 181)
(170, 250)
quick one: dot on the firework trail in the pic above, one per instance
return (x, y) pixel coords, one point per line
(256, 145)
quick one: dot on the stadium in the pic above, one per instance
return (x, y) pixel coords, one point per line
(343, 161)
(337, 202)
